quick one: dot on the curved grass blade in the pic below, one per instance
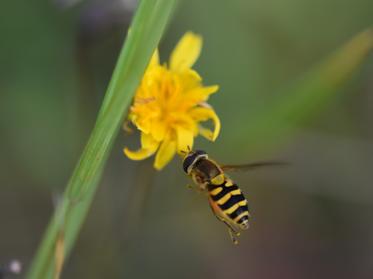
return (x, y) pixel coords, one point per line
(146, 30)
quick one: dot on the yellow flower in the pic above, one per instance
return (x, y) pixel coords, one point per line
(170, 103)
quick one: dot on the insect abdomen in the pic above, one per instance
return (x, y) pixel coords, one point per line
(231, 201)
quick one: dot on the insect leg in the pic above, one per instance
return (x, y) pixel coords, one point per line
(233, 233)
(195, 188)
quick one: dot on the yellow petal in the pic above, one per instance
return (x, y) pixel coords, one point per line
(154, 61)
(190, 79)
(191, 75)
(148, 148)
(201, 94)
(208, 90)
(206, 133)
(185, 139)
(165, 153)
(204, 114)
(139, 154)
(143, 125)
(186, 52)
(147, 141)
(158, 130)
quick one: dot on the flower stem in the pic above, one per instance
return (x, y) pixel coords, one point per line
(146, 30)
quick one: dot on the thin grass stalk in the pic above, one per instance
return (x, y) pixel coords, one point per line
(146, 30)
(144, 179)
(135, 212)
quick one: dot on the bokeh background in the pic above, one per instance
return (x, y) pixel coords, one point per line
(312, 219)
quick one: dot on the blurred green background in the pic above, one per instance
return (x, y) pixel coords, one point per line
(313, 219)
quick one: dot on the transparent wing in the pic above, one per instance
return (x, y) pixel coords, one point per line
(254, 165)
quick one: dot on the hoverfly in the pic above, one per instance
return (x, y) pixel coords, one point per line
(226, 199)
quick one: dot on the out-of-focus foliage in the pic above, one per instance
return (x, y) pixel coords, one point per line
(311, 220)
(316, 89)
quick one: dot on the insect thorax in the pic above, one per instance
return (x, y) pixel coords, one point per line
(204, 171)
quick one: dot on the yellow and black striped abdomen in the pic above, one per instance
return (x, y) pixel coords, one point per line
(228, 199)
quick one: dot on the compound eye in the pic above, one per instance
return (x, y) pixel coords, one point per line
(188, 161)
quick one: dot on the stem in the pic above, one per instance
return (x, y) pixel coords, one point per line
(146, 30)
(135, 213)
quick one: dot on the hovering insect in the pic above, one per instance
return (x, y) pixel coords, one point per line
(226, 199)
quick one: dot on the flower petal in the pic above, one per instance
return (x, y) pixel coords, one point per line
(186, 52)
(165, 153)
(207, 133)
(142, 124)
(204, 114)
(154, 61)
(208, 90)
(189, 79)
(139, 154)
(185, 139)
(158, 130)
(148, 148)
(147, 141)
(200, 94)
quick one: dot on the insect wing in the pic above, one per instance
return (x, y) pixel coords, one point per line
(254, 165)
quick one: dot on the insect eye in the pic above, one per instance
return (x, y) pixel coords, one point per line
(188, 161)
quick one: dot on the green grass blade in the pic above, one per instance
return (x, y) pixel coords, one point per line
(146, 30)
(279, 119)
